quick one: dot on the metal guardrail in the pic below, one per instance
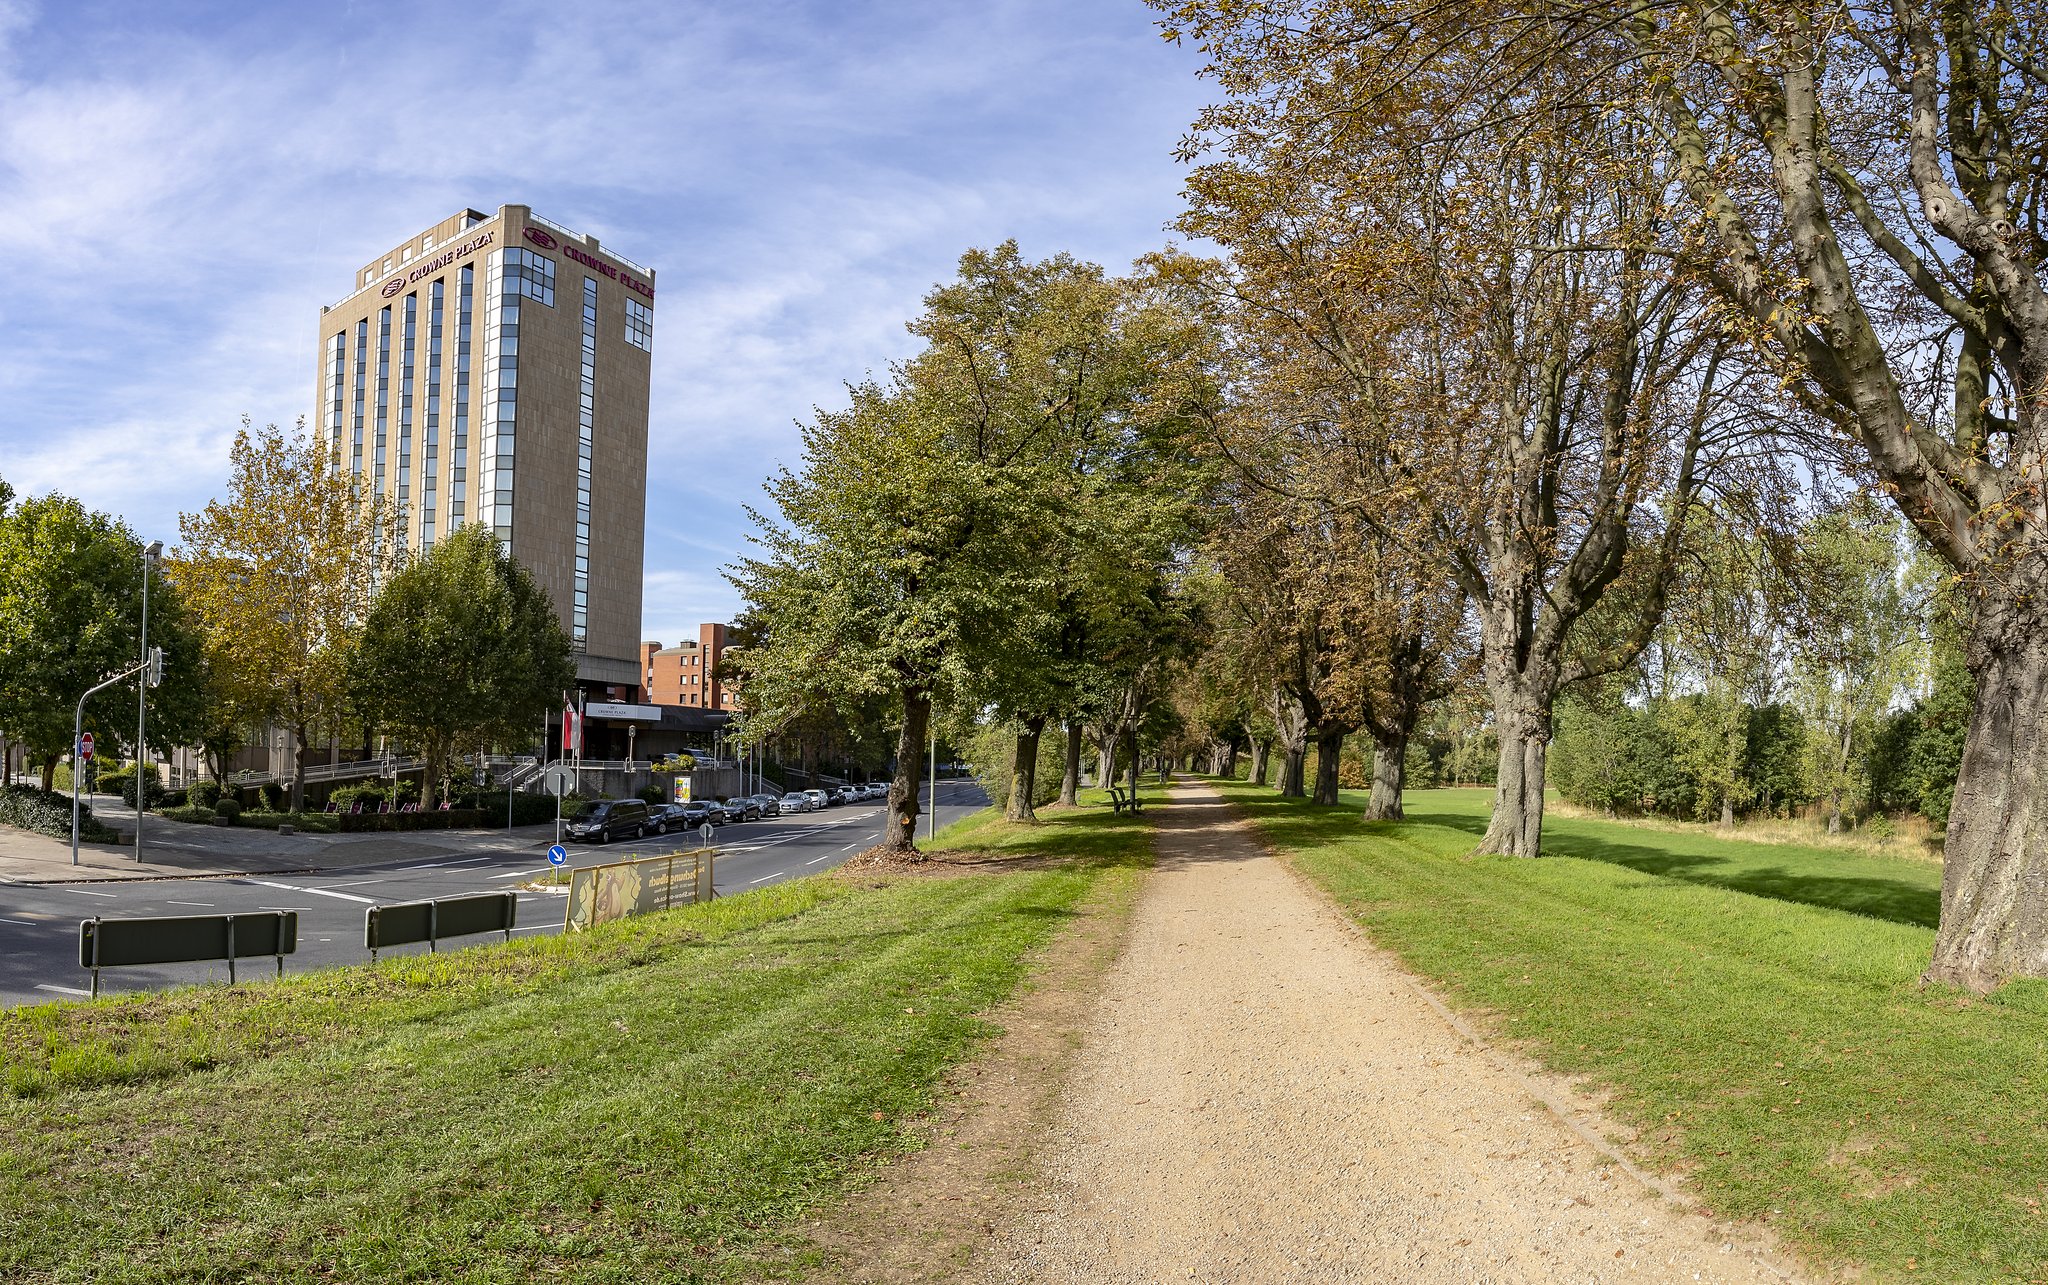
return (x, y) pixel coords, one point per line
(186, 939)
(431, 921)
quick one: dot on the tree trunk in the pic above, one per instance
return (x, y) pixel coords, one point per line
(1024, 772)
(1261, 751)
(1727, 810)
(50, 771)
(1293, 763)
(1229, 772)
(903, 791)
(1389, 777)
(1105, 762)
(1329, 756)
(1835, 810)
(1994, 888)
(298, 800)
(1517, 826)
(1070, 779)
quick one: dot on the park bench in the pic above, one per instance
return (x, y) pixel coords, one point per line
(1121, 799)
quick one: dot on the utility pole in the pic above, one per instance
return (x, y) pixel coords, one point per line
(932, 826)
(142, 686)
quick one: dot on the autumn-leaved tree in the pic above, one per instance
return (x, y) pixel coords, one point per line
(280, 574)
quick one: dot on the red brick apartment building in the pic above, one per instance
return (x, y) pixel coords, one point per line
(686, 674)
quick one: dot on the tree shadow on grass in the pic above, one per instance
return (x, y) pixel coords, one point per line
(1890, 899)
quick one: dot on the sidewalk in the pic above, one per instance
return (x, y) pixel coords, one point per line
(1264, 1096)
(175, 849)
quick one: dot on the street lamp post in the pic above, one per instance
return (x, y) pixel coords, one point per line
(149, 561)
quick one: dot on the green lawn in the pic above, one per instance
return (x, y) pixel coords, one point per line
(1754, 1008)
(662, 1099)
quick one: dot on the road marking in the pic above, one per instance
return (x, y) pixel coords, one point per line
(529, 928)
(431, 865)
(63, 990)
(207, 904)
(83, 893)
(354, 883)
(472, 861)
(308, 909)
(20, 923)
(854, 844)
(317, 892)
(518, 873)
(765, 878)
(815, 860)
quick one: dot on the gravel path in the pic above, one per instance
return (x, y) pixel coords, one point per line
(1263, 1096)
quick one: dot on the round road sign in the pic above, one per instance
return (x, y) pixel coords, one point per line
(557, 855)
(705, 832)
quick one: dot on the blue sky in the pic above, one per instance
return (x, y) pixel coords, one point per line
(183, 184)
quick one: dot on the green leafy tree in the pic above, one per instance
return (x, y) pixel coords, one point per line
(70, 616)
(461, 647)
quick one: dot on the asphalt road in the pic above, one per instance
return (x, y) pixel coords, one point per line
(39, 922)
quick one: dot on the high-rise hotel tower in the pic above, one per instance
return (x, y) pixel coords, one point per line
(495, 369)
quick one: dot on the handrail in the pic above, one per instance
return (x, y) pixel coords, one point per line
(602, 248)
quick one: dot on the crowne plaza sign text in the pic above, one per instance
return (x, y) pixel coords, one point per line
(546, 241)
(438, 262)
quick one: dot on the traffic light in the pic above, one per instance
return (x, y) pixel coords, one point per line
(156, 667)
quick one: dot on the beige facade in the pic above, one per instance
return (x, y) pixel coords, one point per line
(495, 368)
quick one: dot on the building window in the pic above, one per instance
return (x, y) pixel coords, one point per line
(579, 628)
(499, 422)
(458, 468)
(337, 372)
(383, 399)
(430, 465)
(531, 275)
(640, 325)
(407, 349)
(355, 467)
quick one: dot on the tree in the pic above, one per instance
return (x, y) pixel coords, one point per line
(280, 575)
(1534, 396)
(461, 647)
(70, 616)
(1868, 197)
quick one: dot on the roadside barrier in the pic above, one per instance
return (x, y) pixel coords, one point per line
(186, 939)
(600, 894)
(431, 921)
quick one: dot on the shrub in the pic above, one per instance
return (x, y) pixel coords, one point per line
(202, 794)
(366, 792)
(48, 812)
(649, 794)
(273, 796)
(152, 785)
(227, 809)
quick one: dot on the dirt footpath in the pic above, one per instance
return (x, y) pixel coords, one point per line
(1263, 1096)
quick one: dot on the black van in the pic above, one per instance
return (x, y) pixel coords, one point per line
(609, 819)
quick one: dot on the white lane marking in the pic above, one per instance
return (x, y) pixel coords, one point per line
(354, 883)
(20, 923)
(815, 860)
(764, 879)
(317, 892)
(471, 861)
(431, 865)
(83, 893)
(308, 909)
(519, 873)
(207, 904)
(62, 990)
(854, 844)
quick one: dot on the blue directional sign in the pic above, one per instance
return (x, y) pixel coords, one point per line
(557, 855)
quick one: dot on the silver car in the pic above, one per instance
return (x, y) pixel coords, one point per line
(796, 802)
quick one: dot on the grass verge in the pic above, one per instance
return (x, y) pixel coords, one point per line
(1753, 1008)
(659, 1099)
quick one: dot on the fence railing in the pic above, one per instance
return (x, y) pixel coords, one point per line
(186, 939)
(434, 921)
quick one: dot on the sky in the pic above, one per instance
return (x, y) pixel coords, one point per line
(184, 184)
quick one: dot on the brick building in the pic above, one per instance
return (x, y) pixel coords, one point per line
(686, 674)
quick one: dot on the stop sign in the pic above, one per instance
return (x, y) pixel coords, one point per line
(85, 746)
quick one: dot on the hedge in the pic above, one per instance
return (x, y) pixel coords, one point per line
(48, 812)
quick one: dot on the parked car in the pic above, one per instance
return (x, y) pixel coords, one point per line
(796, 801)
(771, 804)
(609, 819)
(702, 812)
(819, 799)
(742, 808)
(875, 790)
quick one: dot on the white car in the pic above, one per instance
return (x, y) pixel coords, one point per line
(797, 801)
(819, 799)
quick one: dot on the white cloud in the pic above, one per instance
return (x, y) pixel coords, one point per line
(176, 205)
